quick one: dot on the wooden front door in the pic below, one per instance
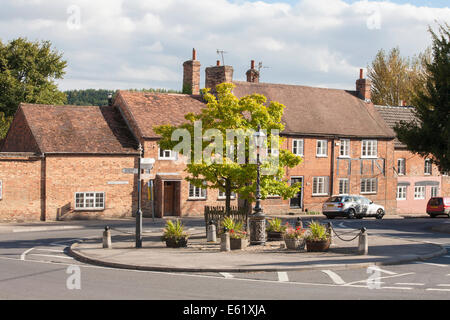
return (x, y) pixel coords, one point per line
(169, 192)
(297, 201)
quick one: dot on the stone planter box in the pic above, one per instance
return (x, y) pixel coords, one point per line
(295, 244)
(238, 244)
(176, 243)
(274, 236)
(318, 246)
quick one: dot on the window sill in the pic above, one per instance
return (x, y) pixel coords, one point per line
(343, 157)
(320, 195)
(89, 209)
(321, 156)
(368, 193)
(196, 199)
(369, 157)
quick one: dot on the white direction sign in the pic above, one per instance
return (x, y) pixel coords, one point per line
(147, 163)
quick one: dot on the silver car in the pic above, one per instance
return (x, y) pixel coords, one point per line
(351, 206)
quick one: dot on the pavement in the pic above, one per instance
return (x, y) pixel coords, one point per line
(200, 256)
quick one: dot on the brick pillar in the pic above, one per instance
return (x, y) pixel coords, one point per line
(363, 87)
(252, 73)
(191, 75)
(217, 75)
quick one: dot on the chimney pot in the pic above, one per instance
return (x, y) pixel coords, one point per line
(361, 73)
(191, 75)
(218, 63)
(363, 87)
(252, 64)
(194, 54)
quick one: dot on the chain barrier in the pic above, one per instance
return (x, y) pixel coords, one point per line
(360, 231)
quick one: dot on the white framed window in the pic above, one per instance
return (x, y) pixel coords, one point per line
(369, 185)
(222, 195)
(321, 148)
(344, 148)
(297, 147)
(89, 200)
(369, 148)
(401, 192)
(428, 169)
(320, 186)
(166, 155)
(434, 191)
(419, 192)
(401, 166)
(196, 193)
(343, 186)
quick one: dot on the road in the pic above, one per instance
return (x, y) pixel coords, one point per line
(34, 265)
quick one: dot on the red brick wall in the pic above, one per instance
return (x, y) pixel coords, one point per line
(21, 188)
(313, 166)
(66, 175)
(19, 137)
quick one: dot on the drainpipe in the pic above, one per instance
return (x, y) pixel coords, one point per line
(332, 167)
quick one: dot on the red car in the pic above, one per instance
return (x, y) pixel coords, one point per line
(438, 205)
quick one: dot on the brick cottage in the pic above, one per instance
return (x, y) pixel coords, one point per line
(61, 162)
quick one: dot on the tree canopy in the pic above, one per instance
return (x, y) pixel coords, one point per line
(222, 113)
(396, 78)
(429, 136)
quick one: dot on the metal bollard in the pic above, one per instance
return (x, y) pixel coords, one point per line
(211, 235)
(299, 223)
(225, 240)
(363, 245)
(107, 238)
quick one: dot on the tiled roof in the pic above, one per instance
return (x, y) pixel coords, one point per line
(393, 115)
(150, 109)
(79, 129)
(320, 111)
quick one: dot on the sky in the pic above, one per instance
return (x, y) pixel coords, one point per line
(122, 44)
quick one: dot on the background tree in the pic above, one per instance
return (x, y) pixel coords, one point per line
(224, 112)
(430, 133)
(27, 74)
(396, 78)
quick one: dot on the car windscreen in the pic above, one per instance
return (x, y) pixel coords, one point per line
(435, 201)
(335, 199)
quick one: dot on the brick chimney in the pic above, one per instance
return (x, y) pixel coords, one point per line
(217, 75)
(363, 86)
(252, 73)
(191, 75)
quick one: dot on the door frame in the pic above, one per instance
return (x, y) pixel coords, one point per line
(301, 191)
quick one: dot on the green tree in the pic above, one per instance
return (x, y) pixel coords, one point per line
(28, 71)
(430, 133)
(224, 112)
(395, 78)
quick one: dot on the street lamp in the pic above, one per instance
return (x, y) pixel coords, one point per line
(139, 211)
(257, 219)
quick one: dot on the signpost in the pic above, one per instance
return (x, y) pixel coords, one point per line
(146, 164)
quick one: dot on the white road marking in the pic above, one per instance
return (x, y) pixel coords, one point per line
(398, 288)
(445, 257)
(51, 250)
(379, 278)
(342, 225)
(283, 277)
(443, 285)
(382, 270)
(410, 284)
(37, 229)
(50, 256)
(22, 256)
(334, 276)
(433, 289)
(432, 264)
(226, 275)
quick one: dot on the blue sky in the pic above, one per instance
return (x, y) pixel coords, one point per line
(122, 44)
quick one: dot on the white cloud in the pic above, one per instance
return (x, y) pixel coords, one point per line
(313, 42)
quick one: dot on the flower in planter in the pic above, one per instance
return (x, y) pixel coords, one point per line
(174, 231)
(317, 232)
(237, 234)
(275, 225)
(294, 233)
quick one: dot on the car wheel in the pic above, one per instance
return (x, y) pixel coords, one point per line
(380, 214)
(359, 217)
(351, 213)
(432, 216)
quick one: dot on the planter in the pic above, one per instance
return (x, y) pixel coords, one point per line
(274, 236)
(176, 243)
(295, 244)
(238, 244)
(317, 246)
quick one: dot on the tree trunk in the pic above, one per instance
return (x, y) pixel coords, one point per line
(227, 197)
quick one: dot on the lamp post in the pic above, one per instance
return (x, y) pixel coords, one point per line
(139, 211)
(258, 219)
